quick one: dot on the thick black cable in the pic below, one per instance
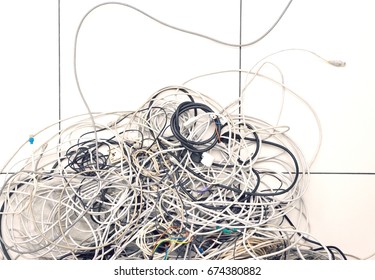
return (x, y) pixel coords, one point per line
(191, 145)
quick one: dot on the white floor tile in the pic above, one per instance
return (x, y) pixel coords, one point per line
(122, 54)
(342, 212)
(342, 97)
(28, 71)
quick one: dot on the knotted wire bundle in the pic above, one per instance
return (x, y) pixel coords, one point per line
(179, 178)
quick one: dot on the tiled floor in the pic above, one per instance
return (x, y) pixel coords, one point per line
(123, 57)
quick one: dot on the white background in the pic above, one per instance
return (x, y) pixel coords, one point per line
(123, 57)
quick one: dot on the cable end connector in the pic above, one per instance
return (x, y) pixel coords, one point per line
(31, 139)
(337, 63)
(207, 159)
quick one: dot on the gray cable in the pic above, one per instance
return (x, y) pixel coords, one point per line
(192, 32)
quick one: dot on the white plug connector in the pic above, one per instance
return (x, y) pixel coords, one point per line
(223, 120)
(337, 63)
(207, 159)
(115, 155)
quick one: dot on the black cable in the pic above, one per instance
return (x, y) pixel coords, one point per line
(317, 243)
(295, 180)
(226, 135)
(191, 145)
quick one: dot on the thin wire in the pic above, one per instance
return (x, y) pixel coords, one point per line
(257, 74)
(154, 194)
(192, 32)
(78, 193)
(165, 24)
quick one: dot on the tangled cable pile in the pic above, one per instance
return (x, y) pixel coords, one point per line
(179, 178)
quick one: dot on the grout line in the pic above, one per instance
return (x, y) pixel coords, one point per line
(334, 173)
(59, 65)
(311, 173)
(59, 60)
(342, 173)
(323, 173)
(240, 62)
